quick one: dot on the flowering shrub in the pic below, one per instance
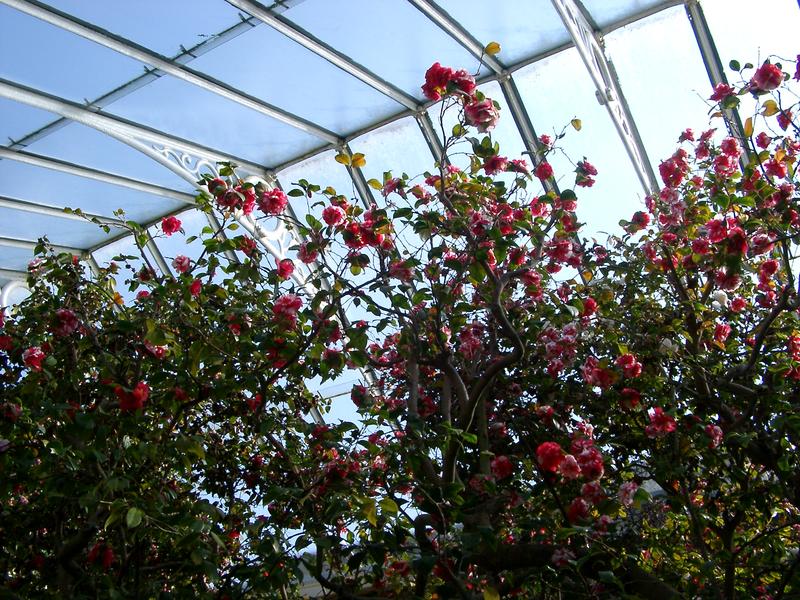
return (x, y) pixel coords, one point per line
(538, 417)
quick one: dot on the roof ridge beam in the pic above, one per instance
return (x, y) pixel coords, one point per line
(13, 203)
(31, 245)
(117, 126)
(320, 48)
(56, 164)
(133, 50)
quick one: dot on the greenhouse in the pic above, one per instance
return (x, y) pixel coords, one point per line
(399, 299)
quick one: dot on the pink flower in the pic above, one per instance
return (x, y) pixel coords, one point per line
(170, 225)
(273, 202)
(545, 139)
(763, 140)
(549, 455)
(784, 119)
(776, 168)
(569, 467)
(578, 510)
(285, 268)
(730, 147)
(67, 322)
(543, 170)
(306, 254)
(738, 304)
(502, 467)
(561, 557)
(33, 357)
(482, 114)
(286, 307)
(333, 215)
(217, 186)
(626, 493)
(660, 424)
(181, 263)
(630, 398)
(714, 432)
(584, 174)
(195, 287)
(767, 77)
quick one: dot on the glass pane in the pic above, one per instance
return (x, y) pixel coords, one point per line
(192, 222)
(665, 91)
(124, 246)
(85, 146)
(162, 26)
(56, 61)
(375, 33)
(618, 193)
(19, 224)
(608, 12)
(188, 111)
(14, 258)
(54, 188)
(300, 82)
(523, 28)
(769, 28)
(20, 119)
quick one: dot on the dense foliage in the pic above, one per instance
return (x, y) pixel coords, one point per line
(536, 416)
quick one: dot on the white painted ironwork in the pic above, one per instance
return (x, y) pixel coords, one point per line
(607, 88)
(321, 49)
(166, 65)
(9, 288)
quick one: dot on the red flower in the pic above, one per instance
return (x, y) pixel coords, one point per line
(170, 225)
(273, 202)
(217, 186)
(502, 467)
(767, 77)
(286, 308)
(67, 322)
(495, 164)
(33, 357)
(784, 119)
(578, 510)
(549, 455)
(660, 423)
(763, 140)
(544, 170)
(247, 245)
(306, 254)
(630, 398)
(195, 287)
(285, 268)
(436, 78)
(630, 366)
(721, 91)
(133, 400)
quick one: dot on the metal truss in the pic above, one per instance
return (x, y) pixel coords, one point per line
(31, 245)
(608, 90)
(323, 50)
(51, 211)
(166, 65)
(715, 69)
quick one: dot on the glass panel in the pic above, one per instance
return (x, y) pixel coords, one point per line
(54, 188)
(14, 258)
(301, 82)
(188, 111)
(771, 27)
(104, 256)
(192, 222)
(20, 119)
(618, 193)
(19, 224)
(665, 91)
(523, 28)
(376, 35)
(159, 25)
(88, 147)
(608, 12)
(56, 61)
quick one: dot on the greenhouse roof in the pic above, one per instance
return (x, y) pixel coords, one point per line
(109, 104)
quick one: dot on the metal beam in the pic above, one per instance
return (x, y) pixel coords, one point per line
(429, 133)
(325, 51)
(63, 166)
(133, 50)
(359, 181)
(607, 87)
(13, 274)
(31, 245)
(114, 125)
(715, 69)
(52, 211)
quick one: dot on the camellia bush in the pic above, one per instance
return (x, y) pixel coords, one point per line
(535, 416)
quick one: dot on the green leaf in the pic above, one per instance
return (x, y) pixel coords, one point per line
(134, 517)
(734, 65)
(490, 593)
(295, 193)
(389, 506)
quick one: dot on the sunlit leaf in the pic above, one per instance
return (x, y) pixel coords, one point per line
(576, 123)
(342, 158)
(492, 48)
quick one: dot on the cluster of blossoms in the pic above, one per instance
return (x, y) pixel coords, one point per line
(246, 197)
(479, 111)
